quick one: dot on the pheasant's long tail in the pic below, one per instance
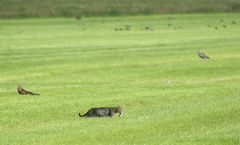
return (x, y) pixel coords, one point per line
(31, 93)
(82, 115)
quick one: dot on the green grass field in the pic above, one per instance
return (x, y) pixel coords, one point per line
(78, 8)
(169, 95)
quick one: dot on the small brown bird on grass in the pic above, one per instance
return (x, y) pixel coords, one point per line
(22, 91)
(202, 55)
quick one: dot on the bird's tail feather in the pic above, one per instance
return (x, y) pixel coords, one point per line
(82, 115)
(31, 93)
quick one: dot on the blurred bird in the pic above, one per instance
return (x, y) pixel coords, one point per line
(233, 22)
(22, 91)
(202, 55)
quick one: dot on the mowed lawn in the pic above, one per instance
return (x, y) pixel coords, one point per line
(146, 64)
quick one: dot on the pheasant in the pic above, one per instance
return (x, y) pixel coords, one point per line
(22, 91)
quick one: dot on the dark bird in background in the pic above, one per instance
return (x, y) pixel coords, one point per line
(202, 55)
(22, 91)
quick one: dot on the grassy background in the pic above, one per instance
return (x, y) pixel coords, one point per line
(168, 94)
(79, 8)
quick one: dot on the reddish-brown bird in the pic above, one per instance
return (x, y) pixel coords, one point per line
(22, 91)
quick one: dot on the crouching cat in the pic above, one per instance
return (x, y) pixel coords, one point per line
(102, 112)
